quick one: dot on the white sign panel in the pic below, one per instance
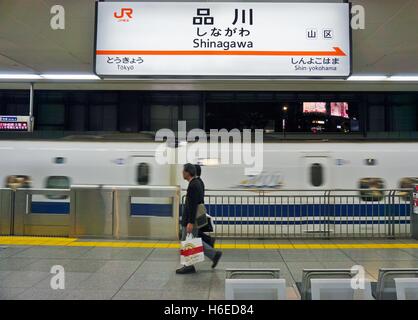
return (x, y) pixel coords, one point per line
(223, 39)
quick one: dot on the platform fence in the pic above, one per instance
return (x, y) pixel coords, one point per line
(152, 212)
(310, 214)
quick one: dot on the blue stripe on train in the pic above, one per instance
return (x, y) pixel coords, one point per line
(219, 210)
(324, 222)
(314, 210)
(159, 210)
(50, 207)
(260, 211)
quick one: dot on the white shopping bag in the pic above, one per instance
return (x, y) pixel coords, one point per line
(191, 251)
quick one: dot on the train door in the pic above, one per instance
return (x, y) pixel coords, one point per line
(144, 170)
(317, 172)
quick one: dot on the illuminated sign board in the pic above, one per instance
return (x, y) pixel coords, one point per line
(339, 109)
(201, 39)
(314, 107)
(14, 123)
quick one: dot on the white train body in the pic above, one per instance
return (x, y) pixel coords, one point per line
(344, 164)
(286, 166)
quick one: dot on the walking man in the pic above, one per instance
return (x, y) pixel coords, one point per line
(194, 197)
(205, 237)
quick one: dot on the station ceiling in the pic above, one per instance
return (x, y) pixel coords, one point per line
(388, 45)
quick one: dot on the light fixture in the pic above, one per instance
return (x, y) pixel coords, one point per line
(70, 76)
(285, 108)
(368, 78)
(20, 76)
(404, 78)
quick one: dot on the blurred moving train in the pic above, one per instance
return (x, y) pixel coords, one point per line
(311, 168)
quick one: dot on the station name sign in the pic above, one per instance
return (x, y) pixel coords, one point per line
(201, 39)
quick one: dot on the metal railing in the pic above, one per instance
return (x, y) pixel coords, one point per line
(125, 211)
(41, 221)
(265, 214)
(270, 273)
(385, 287)
(304, 286)
(133, 219)
(97, 211)
(6, 211)
(142, 211)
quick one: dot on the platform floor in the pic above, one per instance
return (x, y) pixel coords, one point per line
(145, 269)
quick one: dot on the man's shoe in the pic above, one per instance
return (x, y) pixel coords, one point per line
(186, 270)
(216, 259)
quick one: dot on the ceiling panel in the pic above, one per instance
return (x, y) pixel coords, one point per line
(387, 45)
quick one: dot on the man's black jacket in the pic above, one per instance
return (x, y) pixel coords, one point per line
(203, 186)
(193, 198)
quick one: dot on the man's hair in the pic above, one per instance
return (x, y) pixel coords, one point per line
(188, 167)
(198, 170)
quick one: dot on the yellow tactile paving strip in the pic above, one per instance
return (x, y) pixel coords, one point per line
(73, 242)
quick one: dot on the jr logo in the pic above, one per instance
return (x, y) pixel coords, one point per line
(124, 12)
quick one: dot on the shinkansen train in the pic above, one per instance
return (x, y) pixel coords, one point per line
(299, 170)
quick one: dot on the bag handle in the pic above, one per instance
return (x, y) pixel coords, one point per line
(189, 236)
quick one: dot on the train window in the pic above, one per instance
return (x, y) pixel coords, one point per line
(143, 170)
(370, 162)
(18, 181)
(59, 160)
(407, 183)
(371, 189)
(317, 175)
(57, 182)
